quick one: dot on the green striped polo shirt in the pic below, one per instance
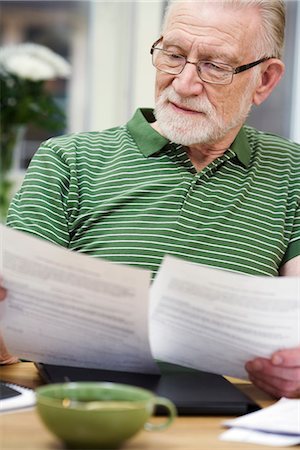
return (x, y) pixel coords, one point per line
(130, 196)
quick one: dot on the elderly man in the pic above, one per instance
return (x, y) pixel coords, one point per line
(191, 180)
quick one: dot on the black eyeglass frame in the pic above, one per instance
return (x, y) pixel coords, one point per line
(233, 70)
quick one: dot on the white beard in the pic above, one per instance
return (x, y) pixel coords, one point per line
(206, 128)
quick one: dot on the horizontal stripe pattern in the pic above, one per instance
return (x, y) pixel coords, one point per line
(97, 193)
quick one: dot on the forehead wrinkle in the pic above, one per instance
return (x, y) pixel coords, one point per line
(194, 25)
(207, 31)
(203, 44)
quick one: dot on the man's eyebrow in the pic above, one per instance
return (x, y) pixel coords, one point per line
(218, 55)
(225, 57)
(174, 43)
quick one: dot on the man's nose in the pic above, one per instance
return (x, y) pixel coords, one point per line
(188, 82)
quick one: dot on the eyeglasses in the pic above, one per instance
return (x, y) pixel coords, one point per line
(208, 71)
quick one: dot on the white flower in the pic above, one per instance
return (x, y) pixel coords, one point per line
(34, 62)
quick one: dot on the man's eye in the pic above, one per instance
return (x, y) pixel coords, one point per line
(174, 56)
(212, 66)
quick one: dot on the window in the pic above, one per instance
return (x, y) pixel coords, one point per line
(61, 26)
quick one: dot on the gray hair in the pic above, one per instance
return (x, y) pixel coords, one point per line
(273, 16)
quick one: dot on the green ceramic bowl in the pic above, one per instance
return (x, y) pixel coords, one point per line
(98, 415)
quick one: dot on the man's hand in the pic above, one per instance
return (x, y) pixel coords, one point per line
(5, 356)
(279, 375)
(2, 293)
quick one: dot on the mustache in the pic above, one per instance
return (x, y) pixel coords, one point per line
(198, 105)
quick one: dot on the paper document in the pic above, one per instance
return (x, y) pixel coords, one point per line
(259, 437)
(70, 309)
(283, 417)
(215, 320)
(276, 425)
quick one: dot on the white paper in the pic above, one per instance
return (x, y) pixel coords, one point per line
(276, 425)
(282, 417)
(216, 321)
(70, 309)
(259, 437)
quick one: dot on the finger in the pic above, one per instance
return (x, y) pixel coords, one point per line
(3, 293)
(266, 368)
(265, 386)
(288, 358)
(9, 359)
(277, 387)
(5, 356)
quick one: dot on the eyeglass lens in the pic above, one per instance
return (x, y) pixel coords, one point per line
(174, 64)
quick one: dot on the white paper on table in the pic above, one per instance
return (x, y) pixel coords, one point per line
(67, 308)
(281, 417)
(216, 320)
(259, 437)
(276, 425)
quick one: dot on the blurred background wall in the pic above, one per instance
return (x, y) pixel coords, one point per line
(108, 43)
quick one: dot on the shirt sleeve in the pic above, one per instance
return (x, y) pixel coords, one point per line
(293, 249)
(42, 205)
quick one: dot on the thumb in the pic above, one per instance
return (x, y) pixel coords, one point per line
(3, 293)
(289, 357)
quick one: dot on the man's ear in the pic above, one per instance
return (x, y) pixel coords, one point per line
(273, 70)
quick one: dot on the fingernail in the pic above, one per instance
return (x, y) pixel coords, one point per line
(257, 365)
(277, 360)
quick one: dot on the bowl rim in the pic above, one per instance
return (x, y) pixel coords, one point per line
(43, 398)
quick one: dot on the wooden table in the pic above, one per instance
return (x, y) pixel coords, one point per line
(24, 430)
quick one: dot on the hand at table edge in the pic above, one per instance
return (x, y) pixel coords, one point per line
(278, 375)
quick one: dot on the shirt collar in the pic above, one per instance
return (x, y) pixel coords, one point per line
(241, 147)
(149, 141)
